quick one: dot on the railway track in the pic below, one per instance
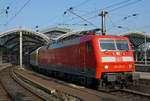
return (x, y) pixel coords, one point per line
(19, 91)
(4, 94)
(132, 95)
(13, 89)
(128, 94)
(143, 85)
(83, 93)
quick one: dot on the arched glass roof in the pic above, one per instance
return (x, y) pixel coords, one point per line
(137, 38)
(30, 39)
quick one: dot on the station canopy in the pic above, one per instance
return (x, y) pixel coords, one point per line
(137, 38)
(31, 40)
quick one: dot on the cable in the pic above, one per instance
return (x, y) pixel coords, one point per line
(81, 18)
(11, 2)
(116, 4)
(128, 4)
(110, 6)
(2, 12)
(88, 19)
(111, 20)
(118, 26)
(19, 11)
(85, 1)
(73, 24)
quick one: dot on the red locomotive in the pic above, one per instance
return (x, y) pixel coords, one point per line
(92, 59)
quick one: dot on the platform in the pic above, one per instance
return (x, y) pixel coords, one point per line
(142, 67)
(4, 65)
(144, 75)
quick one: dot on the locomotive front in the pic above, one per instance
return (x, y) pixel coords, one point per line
(115, 62)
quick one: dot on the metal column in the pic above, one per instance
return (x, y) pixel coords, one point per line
(145, 51)
(103, 14)
(21, 49)
(136, 55)
(1, 55)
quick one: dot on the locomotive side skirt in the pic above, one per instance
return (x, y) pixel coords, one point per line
(71, 70)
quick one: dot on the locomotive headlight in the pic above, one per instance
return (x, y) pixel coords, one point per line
(130, 66)
(106, 66)
(117, 53)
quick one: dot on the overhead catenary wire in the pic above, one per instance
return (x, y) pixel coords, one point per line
(110, 19)
(114, 7)
(79, 23)
(6, 8)
(73, 24)
(76, 6)
(125, 5)
(80, 4)
(3, 11)
(70, 10)
(107, 7)
(2, 2)
(13, 17)
(118, 22)
(88, 19)
(127, 2)
(54, 18)
(113, 25)
(110, 6)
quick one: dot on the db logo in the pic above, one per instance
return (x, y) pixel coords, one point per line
(118, 59)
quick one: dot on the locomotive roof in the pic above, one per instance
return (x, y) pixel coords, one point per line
(76, 33)
(82, 32)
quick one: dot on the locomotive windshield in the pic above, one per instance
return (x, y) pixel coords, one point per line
(114, 44)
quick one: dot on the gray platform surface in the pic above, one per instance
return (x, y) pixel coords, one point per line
(144, 75)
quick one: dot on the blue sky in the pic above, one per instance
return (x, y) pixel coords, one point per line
(50, 13)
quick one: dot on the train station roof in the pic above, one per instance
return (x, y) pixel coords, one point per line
(55, 32)
(49, 30)
(30, 40)
(137, 38)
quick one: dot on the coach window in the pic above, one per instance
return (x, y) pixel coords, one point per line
(88, 46)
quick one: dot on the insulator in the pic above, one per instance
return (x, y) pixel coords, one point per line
(65, 12)
(6, 12)
(7, 7)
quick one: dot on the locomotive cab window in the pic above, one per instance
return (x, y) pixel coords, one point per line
(107, 44)
(114, 44)
(122, 45)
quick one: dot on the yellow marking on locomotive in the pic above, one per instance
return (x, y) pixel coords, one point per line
(36, 58)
